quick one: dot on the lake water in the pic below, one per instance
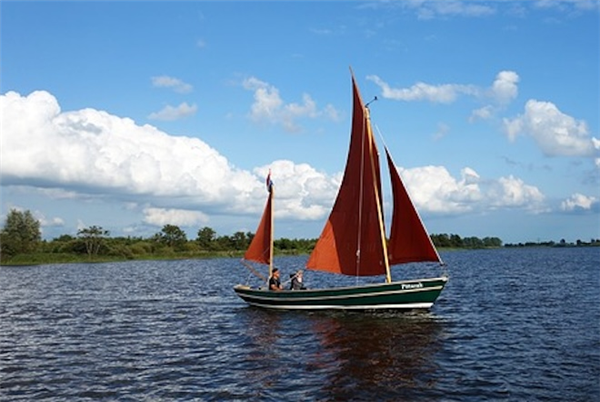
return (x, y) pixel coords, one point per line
(512, 324)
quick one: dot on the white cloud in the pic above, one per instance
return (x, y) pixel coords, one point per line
(301, 191)
(269, 107)
(503, 90)
(512, 192)
(483, 113)
(430, 9)
(445, 93)
(179, 217)
(441, 131)
(443, 9)
(434, 190)
(94, 153)
(174, 113)
(48, 222)
(555, 133)
(596, 144)
(567, 5)
(176, 84)
(580, 202)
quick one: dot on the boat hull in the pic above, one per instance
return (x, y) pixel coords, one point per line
(405, 295)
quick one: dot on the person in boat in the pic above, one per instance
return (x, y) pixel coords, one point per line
(297, 283)
(274, 282)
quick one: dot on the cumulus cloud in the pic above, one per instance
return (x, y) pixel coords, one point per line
(164, 81)
(555, 133)
(178, 217)
(579, 203)
(269, 107)
(512, 192)
(445, 93)
(302, 192)
(503, 90)
(170, 113)
(94, 152)
(48, 222)
(182, 180)
(434, 190)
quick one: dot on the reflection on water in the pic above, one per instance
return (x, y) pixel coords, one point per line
(356, 355)
(387, 356)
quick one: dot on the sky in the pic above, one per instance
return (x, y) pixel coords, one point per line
(134, 115)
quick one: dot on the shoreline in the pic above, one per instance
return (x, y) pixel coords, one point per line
(65, 258)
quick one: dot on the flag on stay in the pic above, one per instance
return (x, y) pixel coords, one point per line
(269, 182)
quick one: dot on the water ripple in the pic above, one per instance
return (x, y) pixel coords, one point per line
(511, 325)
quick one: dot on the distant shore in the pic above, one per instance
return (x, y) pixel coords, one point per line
(69, 258)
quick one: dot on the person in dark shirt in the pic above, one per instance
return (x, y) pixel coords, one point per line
(274, 282)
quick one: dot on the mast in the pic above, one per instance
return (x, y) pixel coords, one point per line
(271, 195)
(372, 155)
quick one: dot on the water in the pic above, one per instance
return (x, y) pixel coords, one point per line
(514, 324)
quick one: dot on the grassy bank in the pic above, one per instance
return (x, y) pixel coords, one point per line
(68, 258)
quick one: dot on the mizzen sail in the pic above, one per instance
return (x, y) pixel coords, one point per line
(261, 247)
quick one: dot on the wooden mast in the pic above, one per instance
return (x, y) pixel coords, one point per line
(386, 262)
(271, 196)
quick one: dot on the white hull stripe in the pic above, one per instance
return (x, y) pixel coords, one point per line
(405, 306)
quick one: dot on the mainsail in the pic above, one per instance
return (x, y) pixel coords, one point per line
(353, 240)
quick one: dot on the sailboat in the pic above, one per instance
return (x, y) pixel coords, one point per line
(353, 241)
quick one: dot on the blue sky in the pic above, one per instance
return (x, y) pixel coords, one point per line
(133, 115)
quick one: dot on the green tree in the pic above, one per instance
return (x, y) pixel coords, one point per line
(492, 242)
(20, 234)
(93, 238)
(172, 236)
(206, 238)
(239, 241)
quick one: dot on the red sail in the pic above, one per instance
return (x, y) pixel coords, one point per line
(409, 241)
(260, 247)
(352, 241)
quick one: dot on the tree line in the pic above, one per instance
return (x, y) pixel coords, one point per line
(20, 237)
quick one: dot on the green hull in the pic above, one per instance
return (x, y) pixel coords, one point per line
(413, 294)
